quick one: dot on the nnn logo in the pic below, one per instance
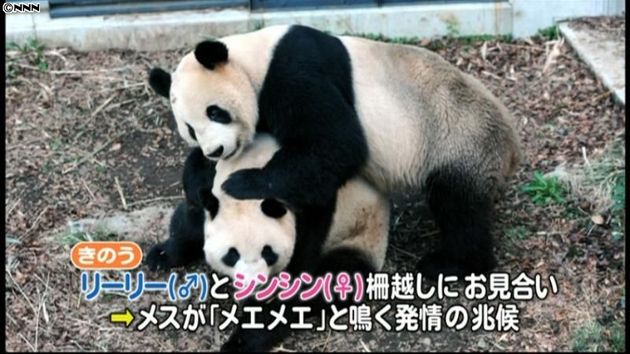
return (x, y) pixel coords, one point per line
(19, 7)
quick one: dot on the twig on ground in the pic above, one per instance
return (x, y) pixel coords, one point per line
(120, 192)
(90, 155)
(174, 197)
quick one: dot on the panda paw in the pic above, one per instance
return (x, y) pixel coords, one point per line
(247, 184)
(434, 264)
(248, 341)
(158, 258)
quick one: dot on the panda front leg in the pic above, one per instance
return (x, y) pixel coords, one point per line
(185, 242)
(301, 175)
(462, 207)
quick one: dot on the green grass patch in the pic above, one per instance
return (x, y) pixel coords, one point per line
(381, 38)
(437, 43)
(593, 337)
(35, 51)
(545, 190)
(617, 337)
(589, 338)
(605, 183)
(618, 208)
(549, 33)
(619, 193)
(507, 38)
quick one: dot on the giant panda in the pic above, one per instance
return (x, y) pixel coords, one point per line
(339, 106)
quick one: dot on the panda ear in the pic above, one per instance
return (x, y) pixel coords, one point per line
(209, 201)
(211, 53)
(160, 81)
(273, 208)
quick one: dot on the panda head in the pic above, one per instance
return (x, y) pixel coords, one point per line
(213, 100)
(249, 236)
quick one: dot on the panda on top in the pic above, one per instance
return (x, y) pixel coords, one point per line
(339, 106)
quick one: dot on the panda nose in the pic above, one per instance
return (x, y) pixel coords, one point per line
(217, 152)
(231, 257)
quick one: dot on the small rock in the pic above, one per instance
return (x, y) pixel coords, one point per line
(597, 219)
(482, 344)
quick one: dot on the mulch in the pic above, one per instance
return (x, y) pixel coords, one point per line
(86, 136)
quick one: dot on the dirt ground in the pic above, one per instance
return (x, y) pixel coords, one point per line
(87, 138)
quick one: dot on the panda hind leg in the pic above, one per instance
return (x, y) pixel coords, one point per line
(342, 259)
(185, 242)
(462, 207)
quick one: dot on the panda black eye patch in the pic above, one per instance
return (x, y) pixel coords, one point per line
(231, 257)
(269, 255)
(216, 114)
(273, 208)
(191, 132)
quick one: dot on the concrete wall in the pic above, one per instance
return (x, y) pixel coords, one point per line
(169, 30)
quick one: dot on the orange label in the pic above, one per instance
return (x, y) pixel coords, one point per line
(106, 255)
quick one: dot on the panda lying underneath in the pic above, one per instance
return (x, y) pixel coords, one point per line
(266, 236)
(259, 236)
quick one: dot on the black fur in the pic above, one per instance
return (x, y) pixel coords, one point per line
(198, 176)
(209, 201)
(185, 242)
(211, 53)
(462, 208)
(219, 115)
(160, 81)
(273, 208)
(307, 104)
